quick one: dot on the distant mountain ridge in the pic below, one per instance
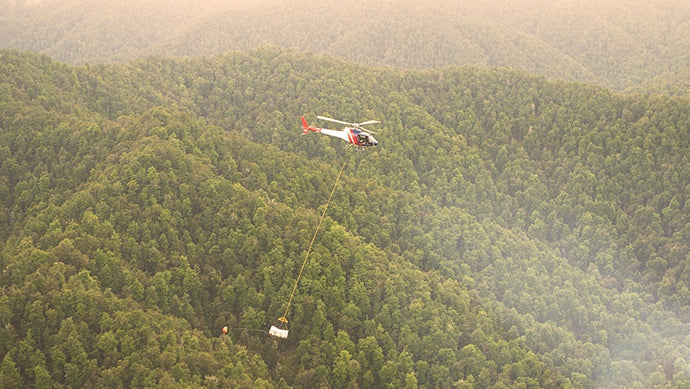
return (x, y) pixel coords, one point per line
(638, 45)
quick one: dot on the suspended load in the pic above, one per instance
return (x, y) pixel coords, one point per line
(281, 330)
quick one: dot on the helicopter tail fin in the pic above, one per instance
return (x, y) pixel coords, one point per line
(306, 127)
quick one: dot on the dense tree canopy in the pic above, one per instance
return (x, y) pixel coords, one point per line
(508, 231)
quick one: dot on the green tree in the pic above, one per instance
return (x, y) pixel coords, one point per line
(10, 374)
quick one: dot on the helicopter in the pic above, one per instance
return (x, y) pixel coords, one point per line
(353, 133)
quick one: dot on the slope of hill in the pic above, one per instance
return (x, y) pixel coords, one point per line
(508, 231)
(601, 42)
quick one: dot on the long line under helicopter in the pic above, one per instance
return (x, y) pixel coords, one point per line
(353, 135)
(280, 330)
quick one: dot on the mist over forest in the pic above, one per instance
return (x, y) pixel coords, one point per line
(637, 45)
(522, 223)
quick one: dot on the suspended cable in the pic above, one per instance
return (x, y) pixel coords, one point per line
(281, 332)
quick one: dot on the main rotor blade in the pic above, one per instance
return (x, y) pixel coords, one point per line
(368, 122)
(365, 130)
(335, 121)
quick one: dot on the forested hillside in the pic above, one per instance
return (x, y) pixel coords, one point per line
(508, 231)
(634, 44)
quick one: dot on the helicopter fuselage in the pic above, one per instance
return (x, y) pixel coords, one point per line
(351, 135)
